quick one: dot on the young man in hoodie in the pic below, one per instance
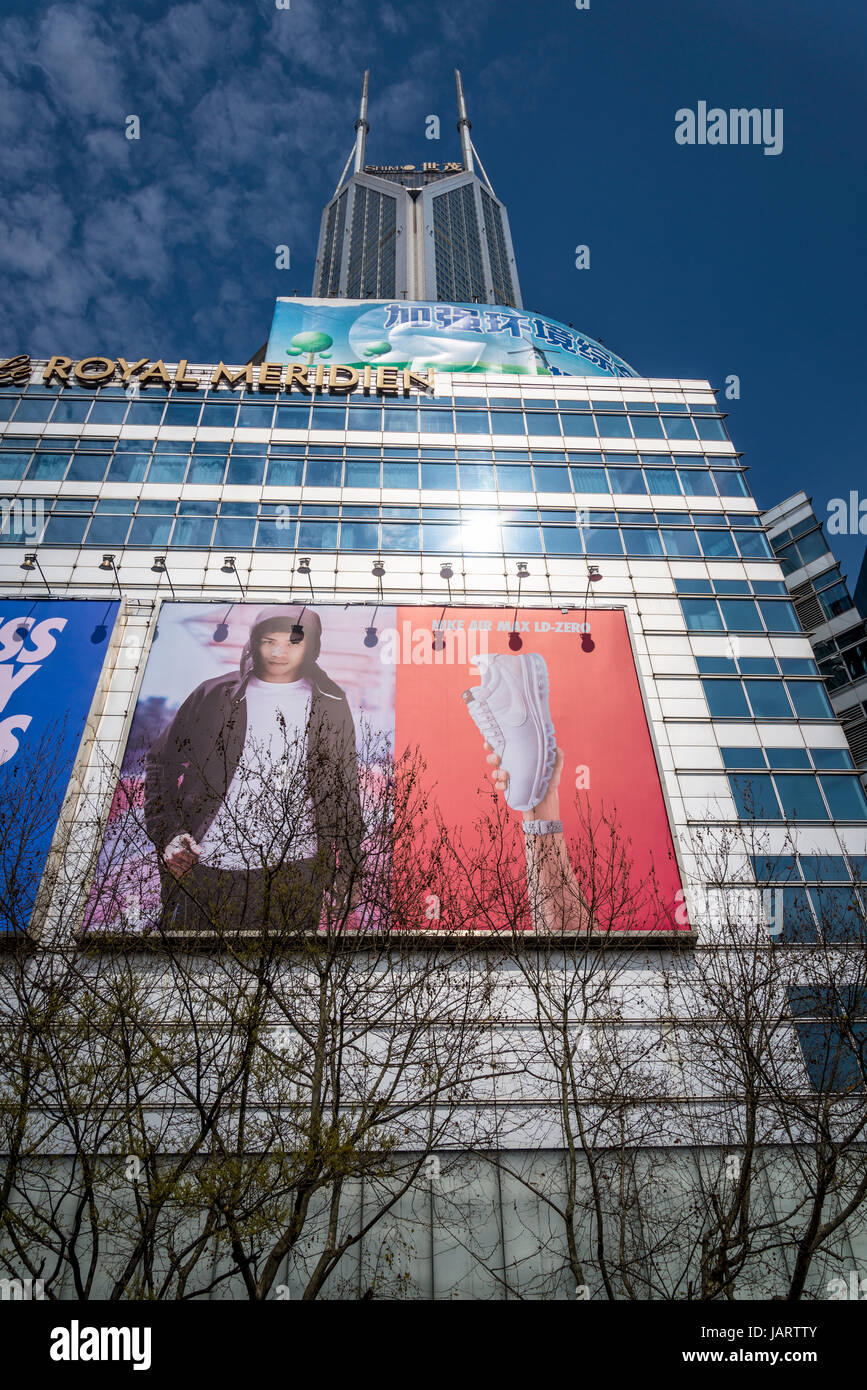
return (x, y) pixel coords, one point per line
(251, 793)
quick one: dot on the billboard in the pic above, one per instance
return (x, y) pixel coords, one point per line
(51, 655)
(421, 334)
(276, 747)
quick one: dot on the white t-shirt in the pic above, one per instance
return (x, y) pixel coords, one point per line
(266, 816)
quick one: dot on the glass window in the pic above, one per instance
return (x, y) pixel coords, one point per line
(680, 543)
(730, 483)
(439, 475)
(48, 467)
(758, 666)
(832, 758)
(177, 413)
(128, 468)
(246, 472)
(278, 534)
(589, 479)
(466, 421)
(317, 535)
(768, 699)
(193, 531)
(779, 617)
(216, 414)
(662, 481)
(14, 466)
(839, 912)
(718, 544)
(646, 426)
(404, 419)
(400, 474)
(87, 468)
(710, 428)
(696, 482)
(207, 471)
(323, 473)
(740, 615)
(845, 796)
(578, 426)
(625, 480)
(234, 531)
(599, 541)
(753, 793)
(400, 536)
(478, 477)
(542, 423)
(678, 426)
(552, 479)
(785, 758)
(701, 615)
(65, 530)
(613, 426)
(824, 868)
(284, 472)
(809, 699)
(360, 418)
(778, 869)
(362, 473)
(753, 545)
(359, 535)
(798, 923)
(520, 540)
(743, 757)
(437, 422)
(150, 530)
(512, 477)
(725, 699)
(109, 530)
(442, 539)
(74, 412)
(641, 542)
(800, 797)
(562, 540)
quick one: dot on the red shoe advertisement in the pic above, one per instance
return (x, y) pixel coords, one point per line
(471, 770)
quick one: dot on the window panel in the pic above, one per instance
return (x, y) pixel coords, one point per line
(810, 700)
(800, 797)
(754, 797)
(726, 699)
(768, 699)
(845, 796)
(701, 614)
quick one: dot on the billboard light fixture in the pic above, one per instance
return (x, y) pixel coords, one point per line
(107, 564)
(31, 562)
(159, 567)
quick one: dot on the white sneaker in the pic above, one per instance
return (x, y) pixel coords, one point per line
(510, 708)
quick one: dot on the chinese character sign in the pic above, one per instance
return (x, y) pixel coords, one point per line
(448, 337)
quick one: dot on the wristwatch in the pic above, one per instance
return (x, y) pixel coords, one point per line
(543, 827)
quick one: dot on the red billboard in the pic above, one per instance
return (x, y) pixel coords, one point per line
(472, 770)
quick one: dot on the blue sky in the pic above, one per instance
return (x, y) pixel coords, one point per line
(704, 261)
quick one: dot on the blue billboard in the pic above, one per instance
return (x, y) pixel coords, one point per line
(51, 655)
(449, 337)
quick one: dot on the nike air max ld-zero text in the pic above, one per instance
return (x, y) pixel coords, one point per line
(511, 711)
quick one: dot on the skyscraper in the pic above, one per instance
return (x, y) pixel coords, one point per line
(429, 233)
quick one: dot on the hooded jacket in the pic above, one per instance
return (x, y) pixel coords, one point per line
(190, 766)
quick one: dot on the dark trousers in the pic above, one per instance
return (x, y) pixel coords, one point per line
(284, 900)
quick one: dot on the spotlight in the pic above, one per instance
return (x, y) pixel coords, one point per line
(221, 632)
(297, 634)
(587, 643)
(523, 570)
(107, 562)
(29, 562)
(159, 567)
(378, 569)
(370, 637)
(304, 566)
(515, 642)
(593, 574)
(228, 565)
(446, 571)
(439, 641)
